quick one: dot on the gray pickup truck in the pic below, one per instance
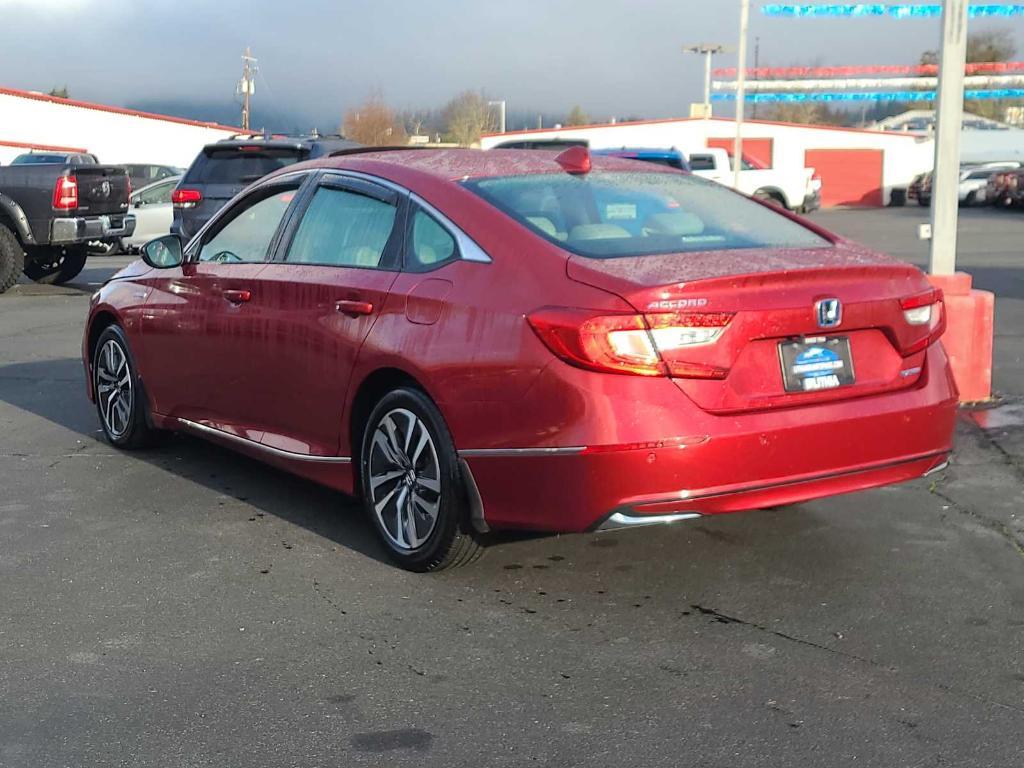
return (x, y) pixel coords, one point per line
(51, 207)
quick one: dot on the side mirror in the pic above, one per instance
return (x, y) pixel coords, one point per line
(164, 252)
(138, 202)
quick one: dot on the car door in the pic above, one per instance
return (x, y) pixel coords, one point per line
(204, 324)
(325, 289)
(153, 212)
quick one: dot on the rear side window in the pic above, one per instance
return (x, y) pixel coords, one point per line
(430, 244)
(702, 162)
(612, 214)
(343, 229)
(239, 166)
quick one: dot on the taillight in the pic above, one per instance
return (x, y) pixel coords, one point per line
(65, 193)
(649, 345)
(924, 310)
(186, 198)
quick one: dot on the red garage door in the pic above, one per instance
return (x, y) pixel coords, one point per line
(758, 151)
(848, 176)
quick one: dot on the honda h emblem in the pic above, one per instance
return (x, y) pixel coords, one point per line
(829, 312)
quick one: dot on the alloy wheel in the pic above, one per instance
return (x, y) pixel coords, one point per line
(404, 479)
(114, 389)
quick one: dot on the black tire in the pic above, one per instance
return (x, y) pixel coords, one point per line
(969, 201)
(924, 202)
(12, 259)
(56, 265)
(130, 429)
(447, 540)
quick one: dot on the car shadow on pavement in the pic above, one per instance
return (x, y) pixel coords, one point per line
(55, 391)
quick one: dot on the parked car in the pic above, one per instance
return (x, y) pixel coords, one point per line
(973, 188)
(151, 207)
(916, 188)
(222, 170)
(793, 188)
(55, 158)
(555, 144)
(472, 341)
(672, 158)
(50, 211)
(143, 174)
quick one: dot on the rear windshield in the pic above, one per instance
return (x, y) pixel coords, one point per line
(38, 159)
(239, 166)
(606, 215)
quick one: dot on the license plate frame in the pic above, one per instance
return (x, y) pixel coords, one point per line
(814, 364)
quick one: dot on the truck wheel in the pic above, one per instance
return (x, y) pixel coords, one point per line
(12, 259)
(55, 266)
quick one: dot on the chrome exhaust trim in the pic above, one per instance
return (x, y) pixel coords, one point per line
(619, 520)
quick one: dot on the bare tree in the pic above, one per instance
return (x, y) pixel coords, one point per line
(374, 123)
(995, 45)
(467, 117)
(577, 116)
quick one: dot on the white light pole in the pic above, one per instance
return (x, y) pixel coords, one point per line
(948, 125)
(741, 92)
(707, 50)
(501, 111)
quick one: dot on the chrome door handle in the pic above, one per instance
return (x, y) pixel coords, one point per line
(353, 307)
(238, 296)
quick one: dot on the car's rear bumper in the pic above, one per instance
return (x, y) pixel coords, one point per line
(732, 463)
(80, 229)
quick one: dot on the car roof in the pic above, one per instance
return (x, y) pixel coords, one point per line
(281, 142)
(459, 164)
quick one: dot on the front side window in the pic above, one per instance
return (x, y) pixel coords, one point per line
(342, 228)
(612, 214)
(247, 236)
(430, 244)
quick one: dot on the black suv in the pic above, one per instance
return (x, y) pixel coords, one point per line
(224, 169)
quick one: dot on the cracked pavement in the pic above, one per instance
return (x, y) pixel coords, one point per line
(190, 607)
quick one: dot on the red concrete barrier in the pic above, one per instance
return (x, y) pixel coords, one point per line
(970, 318)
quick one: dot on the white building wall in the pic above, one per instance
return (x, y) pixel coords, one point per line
(112, 136)
(905, 155)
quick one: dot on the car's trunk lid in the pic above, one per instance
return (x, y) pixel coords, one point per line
(771, 297)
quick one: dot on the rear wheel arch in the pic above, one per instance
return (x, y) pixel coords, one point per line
(370, 391)
(772, 193)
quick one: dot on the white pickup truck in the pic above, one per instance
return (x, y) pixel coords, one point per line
(798, 189)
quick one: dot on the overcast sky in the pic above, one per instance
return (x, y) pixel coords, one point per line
(614, 57)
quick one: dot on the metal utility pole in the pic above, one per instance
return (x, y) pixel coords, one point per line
(948, 125)
(501, 112)
(741, 92)
(247, 85)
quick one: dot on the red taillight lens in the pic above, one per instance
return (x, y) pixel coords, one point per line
(65, 193)
(609, 343)
(924, 310)
(650, 345)
(186, 198)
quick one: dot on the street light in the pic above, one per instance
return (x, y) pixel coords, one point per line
(501, 112)
(707, 50)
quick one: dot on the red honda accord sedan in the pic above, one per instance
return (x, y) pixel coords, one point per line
(480, 340)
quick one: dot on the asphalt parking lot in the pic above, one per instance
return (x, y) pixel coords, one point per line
(189, 607)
